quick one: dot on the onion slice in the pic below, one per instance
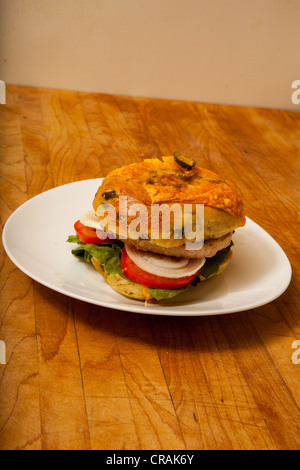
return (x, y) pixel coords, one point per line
(162, 265)
(90, 220)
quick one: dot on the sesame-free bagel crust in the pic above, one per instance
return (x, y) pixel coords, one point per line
(156, 181)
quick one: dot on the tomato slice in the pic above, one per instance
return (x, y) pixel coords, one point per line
(139, 276)
(90, 235)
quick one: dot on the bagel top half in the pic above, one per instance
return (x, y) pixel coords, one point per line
(174, 179)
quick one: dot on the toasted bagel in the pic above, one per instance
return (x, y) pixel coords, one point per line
(155, 181)
(121, 285)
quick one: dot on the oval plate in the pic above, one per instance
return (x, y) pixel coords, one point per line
(34, 237)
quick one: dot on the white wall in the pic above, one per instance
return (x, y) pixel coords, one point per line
(225, 51)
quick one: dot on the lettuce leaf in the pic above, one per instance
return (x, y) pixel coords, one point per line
(160, 294)
(212, 265)
(108, 254)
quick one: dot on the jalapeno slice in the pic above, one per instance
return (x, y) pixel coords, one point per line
(184, 161)
(109, 195)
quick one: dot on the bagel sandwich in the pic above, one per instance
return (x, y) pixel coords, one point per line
(126, 239)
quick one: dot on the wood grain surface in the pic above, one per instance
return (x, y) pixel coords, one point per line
(79, 376)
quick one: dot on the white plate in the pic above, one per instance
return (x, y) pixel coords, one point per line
(34, 238)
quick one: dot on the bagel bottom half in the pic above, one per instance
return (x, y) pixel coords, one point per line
(136, 291)
(121, 285)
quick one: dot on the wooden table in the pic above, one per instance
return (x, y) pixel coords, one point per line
(79, 376)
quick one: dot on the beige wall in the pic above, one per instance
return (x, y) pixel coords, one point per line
(225, 51)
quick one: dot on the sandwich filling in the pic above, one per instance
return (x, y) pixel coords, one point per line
(114, 262)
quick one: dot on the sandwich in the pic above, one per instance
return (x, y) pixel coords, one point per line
(160, 226)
